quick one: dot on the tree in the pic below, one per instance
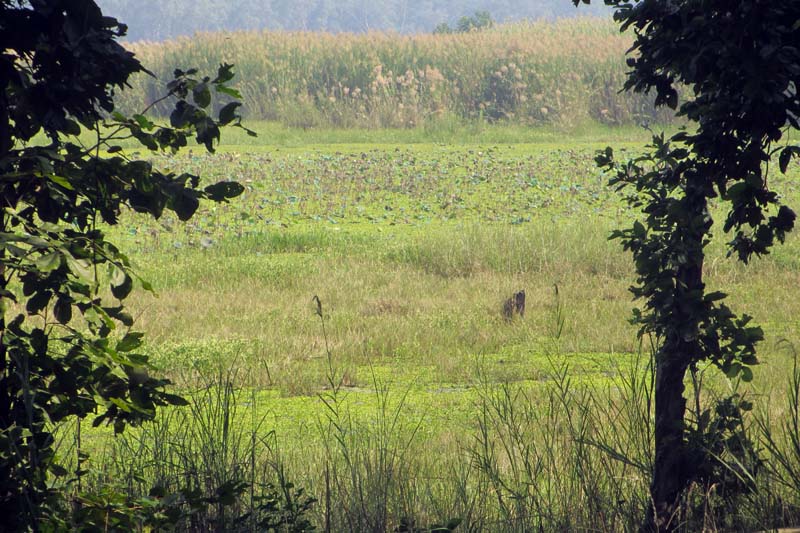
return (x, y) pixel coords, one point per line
(481, 20)
(443, 28)
(740, 64)
(67, 350)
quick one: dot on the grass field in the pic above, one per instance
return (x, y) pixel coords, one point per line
(411, 395)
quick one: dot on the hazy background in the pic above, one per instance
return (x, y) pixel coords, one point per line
(165, 19)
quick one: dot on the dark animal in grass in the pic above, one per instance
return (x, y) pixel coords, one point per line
(514, 305)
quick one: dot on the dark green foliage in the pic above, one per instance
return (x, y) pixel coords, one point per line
(481, 20)
(671, 238)
(408, 525)
(67, 350)
(740, 62)
(205, 470)
(278, 509)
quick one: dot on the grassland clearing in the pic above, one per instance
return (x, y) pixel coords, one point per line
(413, 377)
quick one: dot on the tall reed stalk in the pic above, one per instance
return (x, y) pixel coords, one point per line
(564, 72)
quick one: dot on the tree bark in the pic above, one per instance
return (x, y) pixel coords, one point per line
(672, 470)
(670, 474)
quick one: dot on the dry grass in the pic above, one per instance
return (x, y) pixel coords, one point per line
(435, 300)
(563, 72)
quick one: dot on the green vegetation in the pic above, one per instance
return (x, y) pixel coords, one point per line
(415, 385)
(727, 158)
(562, 74)
(481, 20)
(334, 351)
(456, 132)
(488, 218)
(67, 349)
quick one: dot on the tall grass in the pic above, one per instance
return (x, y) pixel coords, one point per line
(210, 466)
(557, 456)
(414, 402)
(563, 72)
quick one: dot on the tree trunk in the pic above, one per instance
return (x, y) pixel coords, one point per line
(670, 474)
(672, 470)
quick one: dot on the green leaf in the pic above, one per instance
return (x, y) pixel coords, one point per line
(62, 310)
(57, 470)
(122, 404)
(116, 274)
(715, 296)
(139, 172)
(48, 262)
(182, 114)
(122, 290)
(71, 127)
(174, 399)
(228, 113)
(733, 370)
(38, 301)
(130, 341)
(146, 139)
(207, 133)
(786, 156)
(201, 95)
(143, 122)
(81, 268)
(224, 190)
(60, 180)
(118, 313)
(224, 73)
(224, 89)
(737, 189)
(185, 203)
(125, 318)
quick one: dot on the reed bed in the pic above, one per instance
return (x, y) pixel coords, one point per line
(566, 72)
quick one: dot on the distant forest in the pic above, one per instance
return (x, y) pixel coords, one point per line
(165, 19)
